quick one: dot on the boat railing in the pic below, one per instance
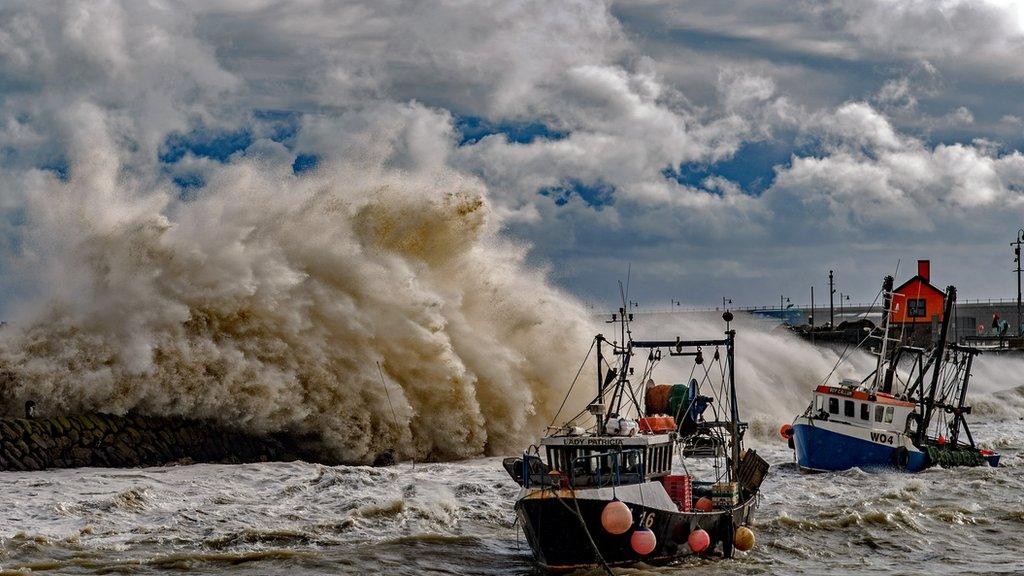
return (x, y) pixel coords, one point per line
(614, 473)
(527, 474)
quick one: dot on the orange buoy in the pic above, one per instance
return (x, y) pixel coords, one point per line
(616, 518)
(786, 431)
(704, 504)
(643, 541)
(699, 540)
(743, 539)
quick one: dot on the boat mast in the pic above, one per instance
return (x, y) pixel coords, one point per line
(940, 350)
(960, 410)
(886, 310)
(734, 409)
(600, 385)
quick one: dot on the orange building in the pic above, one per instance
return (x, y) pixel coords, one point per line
(916, 301)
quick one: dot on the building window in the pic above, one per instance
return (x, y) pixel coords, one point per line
(848, 409)
(916, 308)
(865, 411)
(833, 405)
(879, 410)
(888, 415)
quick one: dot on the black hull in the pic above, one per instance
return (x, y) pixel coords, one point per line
(562, 542)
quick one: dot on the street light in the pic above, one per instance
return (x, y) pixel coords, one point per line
(831, 293)
(1016, 260)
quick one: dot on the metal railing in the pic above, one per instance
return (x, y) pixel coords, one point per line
(616, 463)
(847, 307)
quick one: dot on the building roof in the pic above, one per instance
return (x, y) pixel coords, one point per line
(924, 281)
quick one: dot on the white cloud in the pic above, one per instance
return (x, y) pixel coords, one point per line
(855, 90)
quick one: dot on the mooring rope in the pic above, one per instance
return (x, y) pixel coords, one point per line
(583, 523)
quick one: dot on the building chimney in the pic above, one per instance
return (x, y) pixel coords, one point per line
(924, 269)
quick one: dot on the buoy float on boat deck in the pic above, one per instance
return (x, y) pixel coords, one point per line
(643, 541)
(743, 539)
(704, 504)
(786, 431)
(699, 540)
(616, 518)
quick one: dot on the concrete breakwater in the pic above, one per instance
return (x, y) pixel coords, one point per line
(106, 440)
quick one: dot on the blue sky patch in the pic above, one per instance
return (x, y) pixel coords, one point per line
(752, 167)
(59, 167)
(304, 162)
(473, 128)
(186, 181)
(216, 145)
(596, 195)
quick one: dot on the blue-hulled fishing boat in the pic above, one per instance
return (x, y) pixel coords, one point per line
(908, 414)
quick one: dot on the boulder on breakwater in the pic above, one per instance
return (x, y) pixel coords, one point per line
(105, 440)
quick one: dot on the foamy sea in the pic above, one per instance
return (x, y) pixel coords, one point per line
(456, 518)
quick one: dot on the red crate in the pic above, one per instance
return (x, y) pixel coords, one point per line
(680, 490)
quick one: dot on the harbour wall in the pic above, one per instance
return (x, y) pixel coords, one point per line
(970, 314)
(105, 440)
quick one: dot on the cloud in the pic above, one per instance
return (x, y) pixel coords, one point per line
(888, 119)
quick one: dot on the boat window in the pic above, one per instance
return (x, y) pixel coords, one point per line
(819, 403)
(916, 308)
(631, 464)
(833, 405)
(865, 411)
(657, 459)
(879, 410)
(888, 414)
(848, 408)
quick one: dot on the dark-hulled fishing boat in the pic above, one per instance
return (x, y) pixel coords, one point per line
(608, 495)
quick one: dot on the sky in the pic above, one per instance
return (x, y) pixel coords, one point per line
(713, 149)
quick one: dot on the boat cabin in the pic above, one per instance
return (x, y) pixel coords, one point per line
(861, 408)
(595, 461)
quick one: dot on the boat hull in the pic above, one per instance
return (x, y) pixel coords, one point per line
(563, 529)
(823, 446)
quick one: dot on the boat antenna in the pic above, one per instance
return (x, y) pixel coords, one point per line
(394, 416)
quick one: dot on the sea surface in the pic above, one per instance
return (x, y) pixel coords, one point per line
(456, 518)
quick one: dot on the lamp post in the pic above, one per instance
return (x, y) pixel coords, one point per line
(831, 293)
(1016, 259)
(783, 306)
(842, 307)
(811, 319)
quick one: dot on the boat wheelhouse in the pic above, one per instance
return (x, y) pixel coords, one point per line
(850, 405)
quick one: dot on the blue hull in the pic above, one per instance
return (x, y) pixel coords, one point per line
(823, 450)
